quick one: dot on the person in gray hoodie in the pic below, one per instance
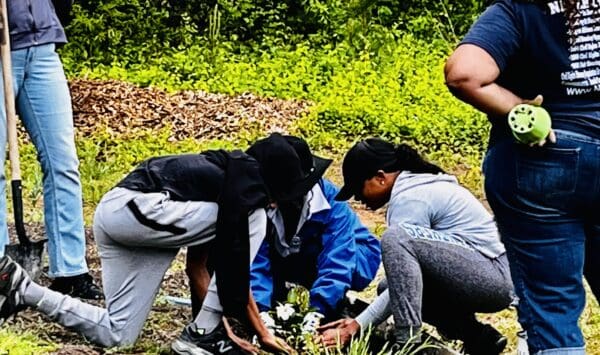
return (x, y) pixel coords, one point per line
(441, 251)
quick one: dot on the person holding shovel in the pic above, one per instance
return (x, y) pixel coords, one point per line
(43, 103)
(442, 255)
(546, 194)
(214, 202)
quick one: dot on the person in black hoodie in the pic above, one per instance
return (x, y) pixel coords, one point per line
(214, 203)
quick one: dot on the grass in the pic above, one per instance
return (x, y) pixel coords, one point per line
(26, 343)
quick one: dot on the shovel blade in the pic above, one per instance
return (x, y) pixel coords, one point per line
(29, 256)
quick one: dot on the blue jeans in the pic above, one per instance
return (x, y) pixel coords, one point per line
(546, 203)
(43, 103)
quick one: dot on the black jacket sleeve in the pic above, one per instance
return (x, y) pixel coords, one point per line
(243, 191)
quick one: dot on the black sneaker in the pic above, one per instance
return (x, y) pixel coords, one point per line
(81, 286)
(193, 341)
(12, 276)
(488, 341)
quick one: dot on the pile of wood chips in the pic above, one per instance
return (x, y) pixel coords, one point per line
(124, 108)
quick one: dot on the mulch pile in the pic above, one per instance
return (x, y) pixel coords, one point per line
(125, 108)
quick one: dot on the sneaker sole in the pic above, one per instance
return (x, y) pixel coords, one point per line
(184, 348)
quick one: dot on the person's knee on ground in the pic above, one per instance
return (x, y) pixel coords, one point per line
(20, 292)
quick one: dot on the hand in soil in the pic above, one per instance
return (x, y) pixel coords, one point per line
(242, 343)
(339, 332)
(276, 345)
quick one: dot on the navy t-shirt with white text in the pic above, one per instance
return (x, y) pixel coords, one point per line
(530, 45)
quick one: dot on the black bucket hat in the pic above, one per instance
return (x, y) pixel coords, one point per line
(288, 167)
(362, 162)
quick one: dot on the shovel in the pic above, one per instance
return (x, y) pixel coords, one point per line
(27, 253)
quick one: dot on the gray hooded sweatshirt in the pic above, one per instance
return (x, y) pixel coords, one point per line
(438, 202)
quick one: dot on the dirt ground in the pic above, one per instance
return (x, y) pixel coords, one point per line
(164, 323)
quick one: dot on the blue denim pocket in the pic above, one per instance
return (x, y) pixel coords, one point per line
(547, 171)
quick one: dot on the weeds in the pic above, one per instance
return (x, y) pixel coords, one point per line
(25, 343)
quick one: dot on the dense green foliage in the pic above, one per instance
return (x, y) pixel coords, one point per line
(369, 67)
(110, 26)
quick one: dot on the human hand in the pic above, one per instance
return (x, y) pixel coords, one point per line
(242, 343)
(536, 101)
(551, 137)
(275, 345)
(339, 332)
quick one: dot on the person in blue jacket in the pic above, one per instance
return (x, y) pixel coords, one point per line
(314, 241)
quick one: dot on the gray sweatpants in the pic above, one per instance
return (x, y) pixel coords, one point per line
(134, 260)
(441, 280)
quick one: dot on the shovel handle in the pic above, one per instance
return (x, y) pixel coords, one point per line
(9, 97)
(11, 125)
(17, 198)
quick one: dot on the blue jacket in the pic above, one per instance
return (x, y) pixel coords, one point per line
(33, 23)
(337, 253)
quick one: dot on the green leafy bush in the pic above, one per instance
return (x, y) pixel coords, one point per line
(398, 93)
(123, 31)
(355, 60)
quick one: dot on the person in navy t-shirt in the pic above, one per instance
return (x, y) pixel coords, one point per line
(545, 196)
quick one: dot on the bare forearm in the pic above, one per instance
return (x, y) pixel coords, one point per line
(471, 75)
(491, 99)
(198, 275)
(254, 318)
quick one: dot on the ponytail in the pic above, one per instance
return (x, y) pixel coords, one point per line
(373, 154)
(408, 159)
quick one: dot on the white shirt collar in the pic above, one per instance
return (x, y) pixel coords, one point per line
(314, 202)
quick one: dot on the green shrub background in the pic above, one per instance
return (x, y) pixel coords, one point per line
(370, 68)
